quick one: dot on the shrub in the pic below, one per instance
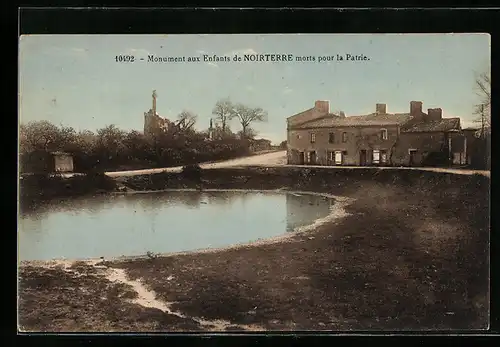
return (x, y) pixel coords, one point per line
(192, 171)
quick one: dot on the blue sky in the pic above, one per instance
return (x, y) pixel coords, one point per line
(74, 80)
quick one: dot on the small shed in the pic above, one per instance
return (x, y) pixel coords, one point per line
(63, 162)
(46, 162)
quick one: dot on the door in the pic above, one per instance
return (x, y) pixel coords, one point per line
(362, 157)
(301, 158)
(313, 158)
(338, 158)
(412, 157)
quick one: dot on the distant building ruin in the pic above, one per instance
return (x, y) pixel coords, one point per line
(153, 123)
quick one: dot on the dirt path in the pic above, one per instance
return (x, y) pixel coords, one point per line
(278, 159)
(147, 298)
(273, 158)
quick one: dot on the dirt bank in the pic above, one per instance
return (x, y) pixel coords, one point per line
(411, 254)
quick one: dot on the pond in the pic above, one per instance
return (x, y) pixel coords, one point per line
(162, 222)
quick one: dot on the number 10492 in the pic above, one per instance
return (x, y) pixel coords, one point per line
(124, 58)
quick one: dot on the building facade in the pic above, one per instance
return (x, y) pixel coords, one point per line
(416, 138)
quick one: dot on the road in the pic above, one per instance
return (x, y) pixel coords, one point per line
(276, 159)
(267, 159)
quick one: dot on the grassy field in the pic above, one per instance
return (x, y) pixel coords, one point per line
(413, 254)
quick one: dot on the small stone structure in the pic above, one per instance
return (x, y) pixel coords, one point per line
(63, 162)
(46, 162)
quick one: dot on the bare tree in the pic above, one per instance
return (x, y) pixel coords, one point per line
(483, 109)
(223, 112)
(186, 120)
(248, 115)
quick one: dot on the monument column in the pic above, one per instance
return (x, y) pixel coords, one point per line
(154, 102)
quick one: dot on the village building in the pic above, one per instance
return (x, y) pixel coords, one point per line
(318, 137)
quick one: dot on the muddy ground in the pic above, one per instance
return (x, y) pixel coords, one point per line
(413, 254)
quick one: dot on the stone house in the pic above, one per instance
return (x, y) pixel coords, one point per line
(478, 150)
(428, 139)
(318, 137)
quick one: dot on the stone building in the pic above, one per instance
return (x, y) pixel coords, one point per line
(319, 137)
(153, 123)
(478, 149)
(428, 139)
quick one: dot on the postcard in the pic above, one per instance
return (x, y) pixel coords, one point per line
(257, 182)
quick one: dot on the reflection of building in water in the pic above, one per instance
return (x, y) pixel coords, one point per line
(223, 197)
(303, 209)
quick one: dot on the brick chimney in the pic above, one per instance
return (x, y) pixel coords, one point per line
(434, 114)
(381, 108)
(322, 106)
(416, 110)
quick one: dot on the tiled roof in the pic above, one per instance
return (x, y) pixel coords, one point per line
(370, 119)
(301, 113)
(445, 124)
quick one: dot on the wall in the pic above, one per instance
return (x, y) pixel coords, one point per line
(425, 143)
(432, 149)
(360, 137)
(63, 163)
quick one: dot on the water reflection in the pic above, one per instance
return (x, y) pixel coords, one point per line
(161, 222)
(305, 207)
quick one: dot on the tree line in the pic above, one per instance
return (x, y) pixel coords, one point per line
(111, 148)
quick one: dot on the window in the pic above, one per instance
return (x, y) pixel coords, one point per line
(331, 138)
(313, 137)
(383, 156)
(376, 156)
(338, 158)
(344, 137)
(383, 134)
